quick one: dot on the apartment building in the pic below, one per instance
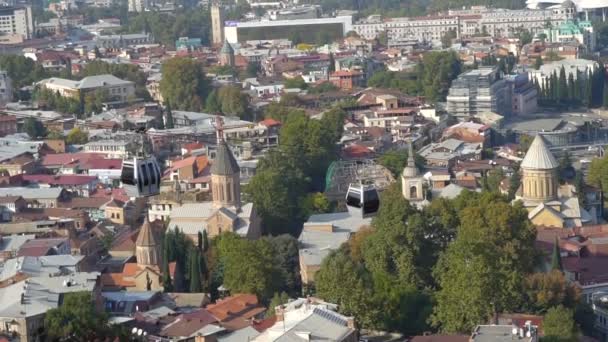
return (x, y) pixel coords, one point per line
(464, 23)
(16, 21)
(479, 91)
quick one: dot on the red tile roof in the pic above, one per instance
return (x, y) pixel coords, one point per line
(189, 323)
(270, 122)
(101, 164)
(59, 159)
(115, 280)
(39, 247)
(200, 162)
(344, 73)
(60, 180)
(356, 151)
(235, 311)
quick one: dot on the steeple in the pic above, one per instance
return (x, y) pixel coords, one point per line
(411, 181)
(225, 173)
(410, 169)
(147, 248)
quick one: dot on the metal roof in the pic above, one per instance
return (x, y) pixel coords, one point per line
(224, 164)
(539, 157)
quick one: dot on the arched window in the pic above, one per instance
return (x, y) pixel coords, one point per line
(413, 192)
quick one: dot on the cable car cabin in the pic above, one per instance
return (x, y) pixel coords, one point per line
(141, 177)
(363, 197)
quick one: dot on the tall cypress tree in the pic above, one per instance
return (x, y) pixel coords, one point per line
(195, 271)
(588, 99)
(562, 90)
(605, 96)
(556, 258)
(169, 117)
(200, 241)
(166, 279)
(571, 88)
(205, 241)
(179, 280)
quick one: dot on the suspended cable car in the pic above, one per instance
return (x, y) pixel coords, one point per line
(140, 177)
(363, 197)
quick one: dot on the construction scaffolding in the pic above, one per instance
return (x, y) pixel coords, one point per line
(342, 173)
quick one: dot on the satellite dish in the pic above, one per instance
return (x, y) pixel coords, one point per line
(514, 331)
(134, 331)
(139, 332)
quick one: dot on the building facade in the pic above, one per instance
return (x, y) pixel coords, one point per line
(16, 21)
(463, 23)
(138, 5)
(479, 91)
(217, 24)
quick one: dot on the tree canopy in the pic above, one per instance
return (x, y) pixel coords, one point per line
(78, 319)
(184, 84)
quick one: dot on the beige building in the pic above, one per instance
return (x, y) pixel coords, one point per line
(549, 204)
(117, 89)
(217, 24)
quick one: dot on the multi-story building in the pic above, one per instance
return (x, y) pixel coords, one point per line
(464, 23)
(524, 95)
(6, 88)
(217, 24)
(138, 5)
(305, 30)
(570, 31)
(479, 91)
(117, 89)
(16, 21)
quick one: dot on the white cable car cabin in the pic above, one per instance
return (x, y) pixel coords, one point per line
(140, 177)
(364, 197)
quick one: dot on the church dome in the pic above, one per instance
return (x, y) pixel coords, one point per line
(539, 157)
(146, 237)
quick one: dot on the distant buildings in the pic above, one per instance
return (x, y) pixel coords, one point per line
(303, 30)
(581, 32)
(6, 89)
(138, 5)
(479, 91)
(463, 23)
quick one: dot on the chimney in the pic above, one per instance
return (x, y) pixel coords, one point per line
(350, 323)
(279, 312)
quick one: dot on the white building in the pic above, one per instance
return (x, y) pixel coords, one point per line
(463, 23)
(138, 5)
(6, 88)
(16, 21)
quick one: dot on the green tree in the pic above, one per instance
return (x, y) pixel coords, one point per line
(249, 266)
(195, 271)
(76, 136)
(524, 142)
(562, 86)
(546, 290)
(169, 124)
(296, 82)
(605, 96)
(34, 128)
(597, 174)
(277, 299)
(556, 258)
(184, 84)
(287, 262)
(166, 277)
(252, 69)
(199, 244)
(514, 183)
(446, 39)
(205, 241)
(212, 104)
(233, 101)
(559, 324)
(485, 265)
(317, 203)
(77, 317)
